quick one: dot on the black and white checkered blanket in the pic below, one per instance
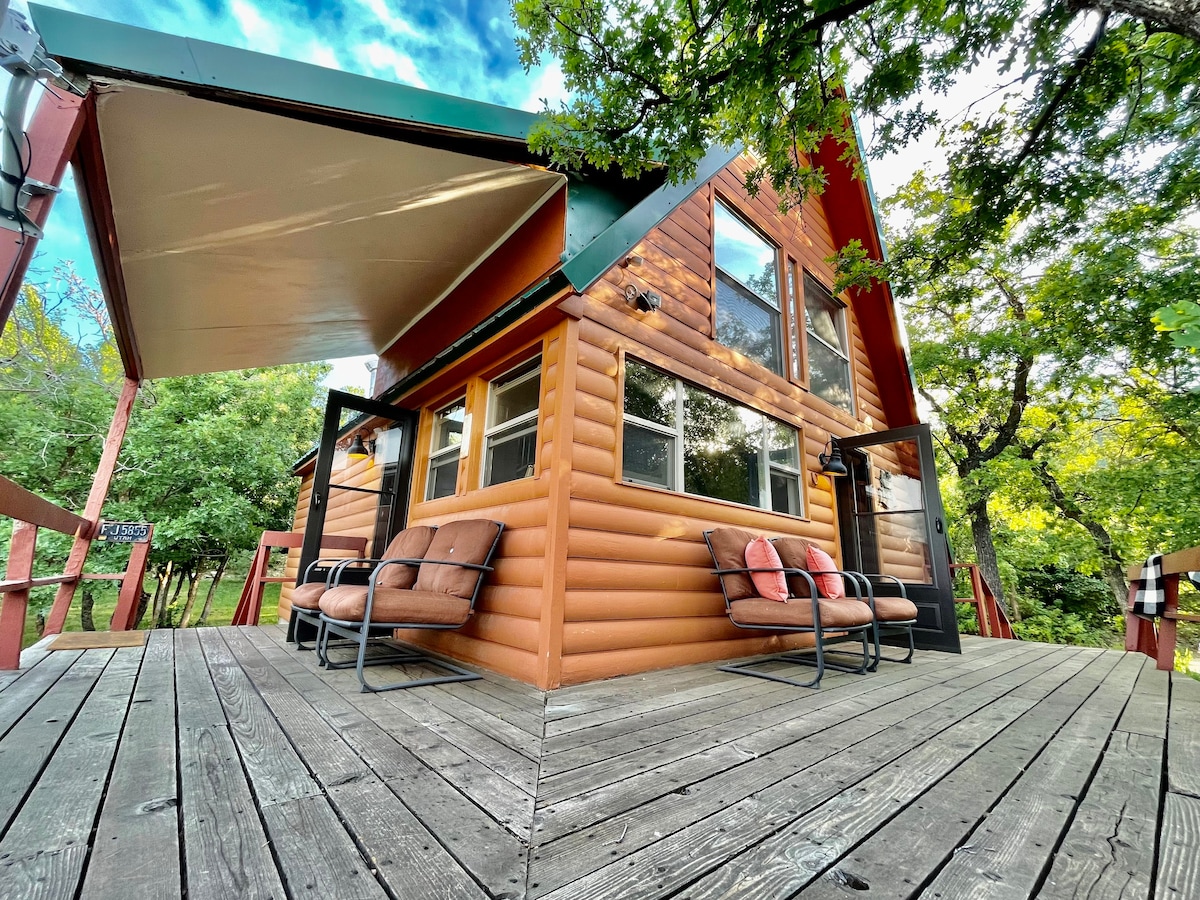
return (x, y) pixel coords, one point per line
(1149, 598)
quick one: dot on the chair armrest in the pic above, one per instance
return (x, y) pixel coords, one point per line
(876, 576)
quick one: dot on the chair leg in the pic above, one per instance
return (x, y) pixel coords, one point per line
(912, 647)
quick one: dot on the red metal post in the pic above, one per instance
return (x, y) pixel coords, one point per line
(95, 503)
(125, 615)
(53, 134)
(12, 610)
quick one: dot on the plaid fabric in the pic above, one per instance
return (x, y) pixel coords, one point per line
(1149, 598)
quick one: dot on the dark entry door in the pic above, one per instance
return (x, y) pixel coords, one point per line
(394, 488)
(891, 521)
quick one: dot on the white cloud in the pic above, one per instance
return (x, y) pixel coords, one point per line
(545, 86)
(322, 55)
(260, 34)
(393, 23)
(383, 58)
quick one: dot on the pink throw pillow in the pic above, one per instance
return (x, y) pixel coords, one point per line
(761, 555)
(820, 561)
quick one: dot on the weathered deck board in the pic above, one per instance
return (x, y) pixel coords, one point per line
(136, 849)
(227, 854)
(29, 744)
(226, 763)
(44, 850)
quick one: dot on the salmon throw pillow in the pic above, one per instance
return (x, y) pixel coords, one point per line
(761, 555)
(830, 585)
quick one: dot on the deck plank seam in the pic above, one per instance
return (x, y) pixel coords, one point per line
(112, 763)
(863, 772)
(5, 827)
(284, 875)
(382, 781)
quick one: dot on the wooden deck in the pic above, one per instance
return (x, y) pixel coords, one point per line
(219, 763)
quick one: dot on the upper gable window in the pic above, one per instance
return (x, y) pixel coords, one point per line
(828, 346)
(747, 290)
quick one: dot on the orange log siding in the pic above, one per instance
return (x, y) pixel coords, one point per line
(595, 577)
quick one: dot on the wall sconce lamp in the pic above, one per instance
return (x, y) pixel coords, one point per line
(646, 301)
(359, 449)
(831, 462)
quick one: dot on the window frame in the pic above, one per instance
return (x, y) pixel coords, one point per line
(766, 467)
(441, 456)
(842, 324)
(753, 296)
(510, 378)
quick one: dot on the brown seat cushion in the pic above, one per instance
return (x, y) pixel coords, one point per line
(798, 613)
(349, 603)
(465, 541)
(307, 596)
(729, 552)
(894, 609)
(411, 543)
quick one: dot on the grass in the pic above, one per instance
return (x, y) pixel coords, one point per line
(105, 594)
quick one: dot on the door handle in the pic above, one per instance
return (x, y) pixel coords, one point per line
(937, 525)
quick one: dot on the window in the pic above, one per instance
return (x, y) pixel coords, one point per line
(747, 300)
(510, 440)
(828, 354)
(679, 437)
(444, 452)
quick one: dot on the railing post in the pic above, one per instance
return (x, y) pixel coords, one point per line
(13, 607)
(125, 615)
(95, 504)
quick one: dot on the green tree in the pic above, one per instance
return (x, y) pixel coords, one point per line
(1049, 388)
(206, 458)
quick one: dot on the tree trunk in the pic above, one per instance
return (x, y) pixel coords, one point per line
(212, 591)
(87, 603)
(164, 611)
(143, 604)
(193, 588)
(160, 595)
(985, 548)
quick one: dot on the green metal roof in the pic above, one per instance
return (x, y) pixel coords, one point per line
(92, 46)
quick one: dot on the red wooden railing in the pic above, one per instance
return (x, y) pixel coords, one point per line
(1144, 634)
(250, 605)
(992, 620)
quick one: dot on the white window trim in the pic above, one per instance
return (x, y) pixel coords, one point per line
(437, 456)
(775, 305)
(512, 424)
(765, 467)
(843, 330)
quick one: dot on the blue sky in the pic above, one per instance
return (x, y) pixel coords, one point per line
(459, 47)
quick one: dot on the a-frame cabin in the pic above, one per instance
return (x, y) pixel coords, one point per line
(609, 366)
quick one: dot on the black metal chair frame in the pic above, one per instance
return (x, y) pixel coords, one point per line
(313, 616)
(818, 660)
(362, 633)
(899, 626)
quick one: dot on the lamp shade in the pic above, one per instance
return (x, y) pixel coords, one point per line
(831, 463)
(357, 450)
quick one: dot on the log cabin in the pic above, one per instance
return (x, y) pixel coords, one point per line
(609, 366)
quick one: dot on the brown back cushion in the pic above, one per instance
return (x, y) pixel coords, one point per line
(411, 543)
(793, 552)
(465, 541)
(729, 552)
